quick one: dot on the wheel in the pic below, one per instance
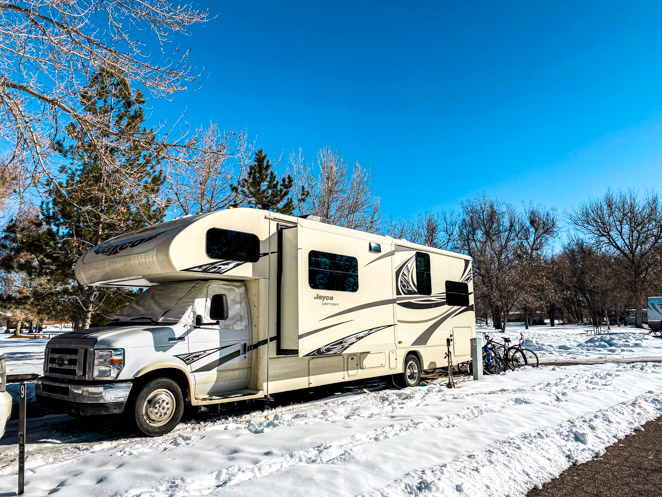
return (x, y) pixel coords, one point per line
(492, 363)
(516, 359)
(412, 373)
(531, 358)
(158, 407)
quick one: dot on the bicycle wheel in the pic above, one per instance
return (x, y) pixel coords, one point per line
(531, 358)
(516, 358)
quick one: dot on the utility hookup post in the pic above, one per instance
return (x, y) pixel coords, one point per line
(477, 357)
(449, 355)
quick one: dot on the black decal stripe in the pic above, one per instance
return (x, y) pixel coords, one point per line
(261, 343)
(402, 321)
(221, 266)
(307, 334)
(339, 346)
(384, 256)
(377, 303)
(361, 307)
(201, 354)
(464, 271)
(424, 337)
(218, 362)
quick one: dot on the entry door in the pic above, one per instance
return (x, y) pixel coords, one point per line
(221, 352)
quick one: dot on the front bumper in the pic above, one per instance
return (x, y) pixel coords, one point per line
(84, 399)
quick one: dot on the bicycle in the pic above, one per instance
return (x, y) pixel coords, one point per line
(518, 356)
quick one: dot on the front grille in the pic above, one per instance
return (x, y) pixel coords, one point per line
(67, 362)
(55, 389)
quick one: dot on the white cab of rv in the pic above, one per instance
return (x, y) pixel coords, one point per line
(242, 304)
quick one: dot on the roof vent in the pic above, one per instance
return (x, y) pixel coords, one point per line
(319, 219)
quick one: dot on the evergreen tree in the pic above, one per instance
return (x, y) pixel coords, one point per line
(110, 187)
(260, 188)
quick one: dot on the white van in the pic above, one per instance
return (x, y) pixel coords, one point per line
(243, 303)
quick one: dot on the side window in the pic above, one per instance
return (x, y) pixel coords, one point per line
(457, 293)
(232, 245)
(423, 276)
(333, 272)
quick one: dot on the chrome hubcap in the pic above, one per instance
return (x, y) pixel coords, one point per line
(159, 407)
(412, 372)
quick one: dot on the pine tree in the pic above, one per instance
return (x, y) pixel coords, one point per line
(110, 187)
(262, 189)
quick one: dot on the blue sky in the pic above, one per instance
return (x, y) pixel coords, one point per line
(552, 102)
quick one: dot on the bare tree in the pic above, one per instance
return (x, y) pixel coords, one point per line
(591, 277)
(49, 51)
(8, 180)
(437, 230)
(492, 232)
(201, 183)
(334, 191)
(539, 227)
(625, 224)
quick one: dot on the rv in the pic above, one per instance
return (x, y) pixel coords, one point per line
(242, 304)
(655, 314)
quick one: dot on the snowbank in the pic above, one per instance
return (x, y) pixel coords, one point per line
(497, 437)
(575, 344)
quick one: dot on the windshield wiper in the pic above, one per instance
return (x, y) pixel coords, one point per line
(145, 318)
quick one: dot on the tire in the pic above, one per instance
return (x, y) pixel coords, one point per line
(531, 358)
(158, 407)
(411, 376)
(516, 359)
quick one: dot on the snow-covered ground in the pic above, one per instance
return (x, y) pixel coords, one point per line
(500, 436)
(569, 343)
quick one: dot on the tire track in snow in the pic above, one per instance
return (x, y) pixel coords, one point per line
(345, 449)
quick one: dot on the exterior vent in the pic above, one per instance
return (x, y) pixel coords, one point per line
(319, 219)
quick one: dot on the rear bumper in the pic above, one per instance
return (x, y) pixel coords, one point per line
(83, 399)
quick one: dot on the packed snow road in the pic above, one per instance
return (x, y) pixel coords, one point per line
(501, 436)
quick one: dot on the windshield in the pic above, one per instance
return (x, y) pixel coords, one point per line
(163, 303)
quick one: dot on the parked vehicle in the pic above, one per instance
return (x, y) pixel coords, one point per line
(5, 398)
(655, 315)
(242, 303)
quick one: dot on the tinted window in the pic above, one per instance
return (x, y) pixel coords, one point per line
(333, 272)
(423, 276)
(218, 308)
(457, 293)
(232, 245)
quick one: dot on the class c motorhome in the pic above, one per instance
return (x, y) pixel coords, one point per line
(242, 304)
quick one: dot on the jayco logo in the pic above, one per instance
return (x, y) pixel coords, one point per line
(115, 248)
(323, 297)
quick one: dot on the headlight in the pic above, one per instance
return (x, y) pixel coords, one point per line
(108, 363)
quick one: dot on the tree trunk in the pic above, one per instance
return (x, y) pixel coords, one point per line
(496, 317)
(638, 315)
(17, 331)
(551, 312)
(526, 319)
(87, 308)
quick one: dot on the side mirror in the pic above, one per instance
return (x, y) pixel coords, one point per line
(198, 320)
(218, 308)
